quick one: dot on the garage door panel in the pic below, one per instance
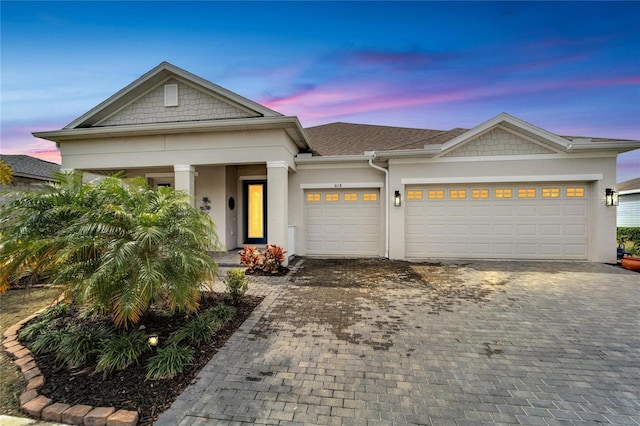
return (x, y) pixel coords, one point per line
(530, 211)
(554, 230)
(551, 250)
(539, 227)
(480, 230)
(499, 210)
(503, 230)
(551, 211)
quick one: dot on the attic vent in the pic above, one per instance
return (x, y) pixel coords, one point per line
(170, 95)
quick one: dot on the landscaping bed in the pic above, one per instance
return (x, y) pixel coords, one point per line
(128, 389)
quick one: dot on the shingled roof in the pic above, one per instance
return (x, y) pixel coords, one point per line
(354, 139)
(30, 167)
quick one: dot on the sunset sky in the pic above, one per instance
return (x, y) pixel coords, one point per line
(569, 67)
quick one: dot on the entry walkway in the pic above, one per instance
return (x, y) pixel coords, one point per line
(379, 342)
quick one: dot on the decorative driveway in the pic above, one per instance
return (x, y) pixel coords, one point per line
(380, 342)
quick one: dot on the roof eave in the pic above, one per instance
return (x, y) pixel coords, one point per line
(290, 124)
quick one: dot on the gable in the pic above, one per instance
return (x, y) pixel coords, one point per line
(496, 142)
(192, 105)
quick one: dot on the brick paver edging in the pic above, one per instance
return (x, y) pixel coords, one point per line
(40, 407)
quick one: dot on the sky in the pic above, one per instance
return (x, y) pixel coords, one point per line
(572, 68)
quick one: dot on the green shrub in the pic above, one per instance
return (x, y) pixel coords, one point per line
(49, 341)
(122, 350)
(237, 284)
(59, 310)
(168, 362)
(32, 331)
(221, 313)
(631, 237)
(80, 347)
(197, 331)
(116, 245)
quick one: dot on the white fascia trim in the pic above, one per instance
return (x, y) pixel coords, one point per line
(500, 179)
(159, 175)
(255, 123)
(629, 192)
(332, 159)
(275, 164)
(184, 168)
(340, 185)
(619, 147)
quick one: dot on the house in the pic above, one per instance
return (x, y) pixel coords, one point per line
(628, 213)
(505, 189)
(27, 173)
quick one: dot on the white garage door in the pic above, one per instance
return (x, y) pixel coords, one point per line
(342, 222)
(542, 221)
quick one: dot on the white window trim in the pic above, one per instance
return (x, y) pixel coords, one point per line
(338, 185)
(502, 179)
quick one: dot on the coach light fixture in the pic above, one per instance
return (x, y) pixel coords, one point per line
(611, 197)
(397, 199)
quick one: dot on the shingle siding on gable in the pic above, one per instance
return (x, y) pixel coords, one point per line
(193, 105)
(498, 142)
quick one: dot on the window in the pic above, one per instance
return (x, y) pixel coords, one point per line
(370, 196)
(414, 195)
(313, 197)
(526, 192)
(458, 194)
(503, 193)
(550, 192)
(436, 194)
(479, 193)
(331, 197)
(575, 192)
(352, 196)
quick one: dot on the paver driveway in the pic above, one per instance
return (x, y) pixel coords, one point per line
(383, 342)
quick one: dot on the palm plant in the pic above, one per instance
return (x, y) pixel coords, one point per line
(117, 246)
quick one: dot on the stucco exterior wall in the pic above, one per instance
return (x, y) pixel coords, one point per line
(343, 174)
(602, 223)
(215, 148)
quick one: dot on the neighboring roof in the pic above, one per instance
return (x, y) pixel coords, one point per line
(629, 185)
(30, 167)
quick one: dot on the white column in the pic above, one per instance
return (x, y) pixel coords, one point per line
(278, 204)
(185, 178)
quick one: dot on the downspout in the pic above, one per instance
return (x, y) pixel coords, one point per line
(386, 185)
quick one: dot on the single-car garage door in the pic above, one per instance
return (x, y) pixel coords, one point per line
(342, 222)
(526, 221)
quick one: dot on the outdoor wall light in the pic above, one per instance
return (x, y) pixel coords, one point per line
(206, 204)
(611, 198)
(397, 199)
(153, 340)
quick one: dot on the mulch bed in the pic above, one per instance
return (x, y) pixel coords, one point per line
(127, 389)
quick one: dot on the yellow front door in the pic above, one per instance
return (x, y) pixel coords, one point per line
(255, 212)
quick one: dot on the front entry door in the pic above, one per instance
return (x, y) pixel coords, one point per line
(255, 211)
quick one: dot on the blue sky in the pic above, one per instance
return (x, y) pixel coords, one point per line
(570, 67)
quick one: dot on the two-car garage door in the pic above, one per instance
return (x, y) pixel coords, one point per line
(528, 221)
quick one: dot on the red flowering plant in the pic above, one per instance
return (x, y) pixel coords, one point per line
(252, 258)
(268, 261)
(273, 258)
